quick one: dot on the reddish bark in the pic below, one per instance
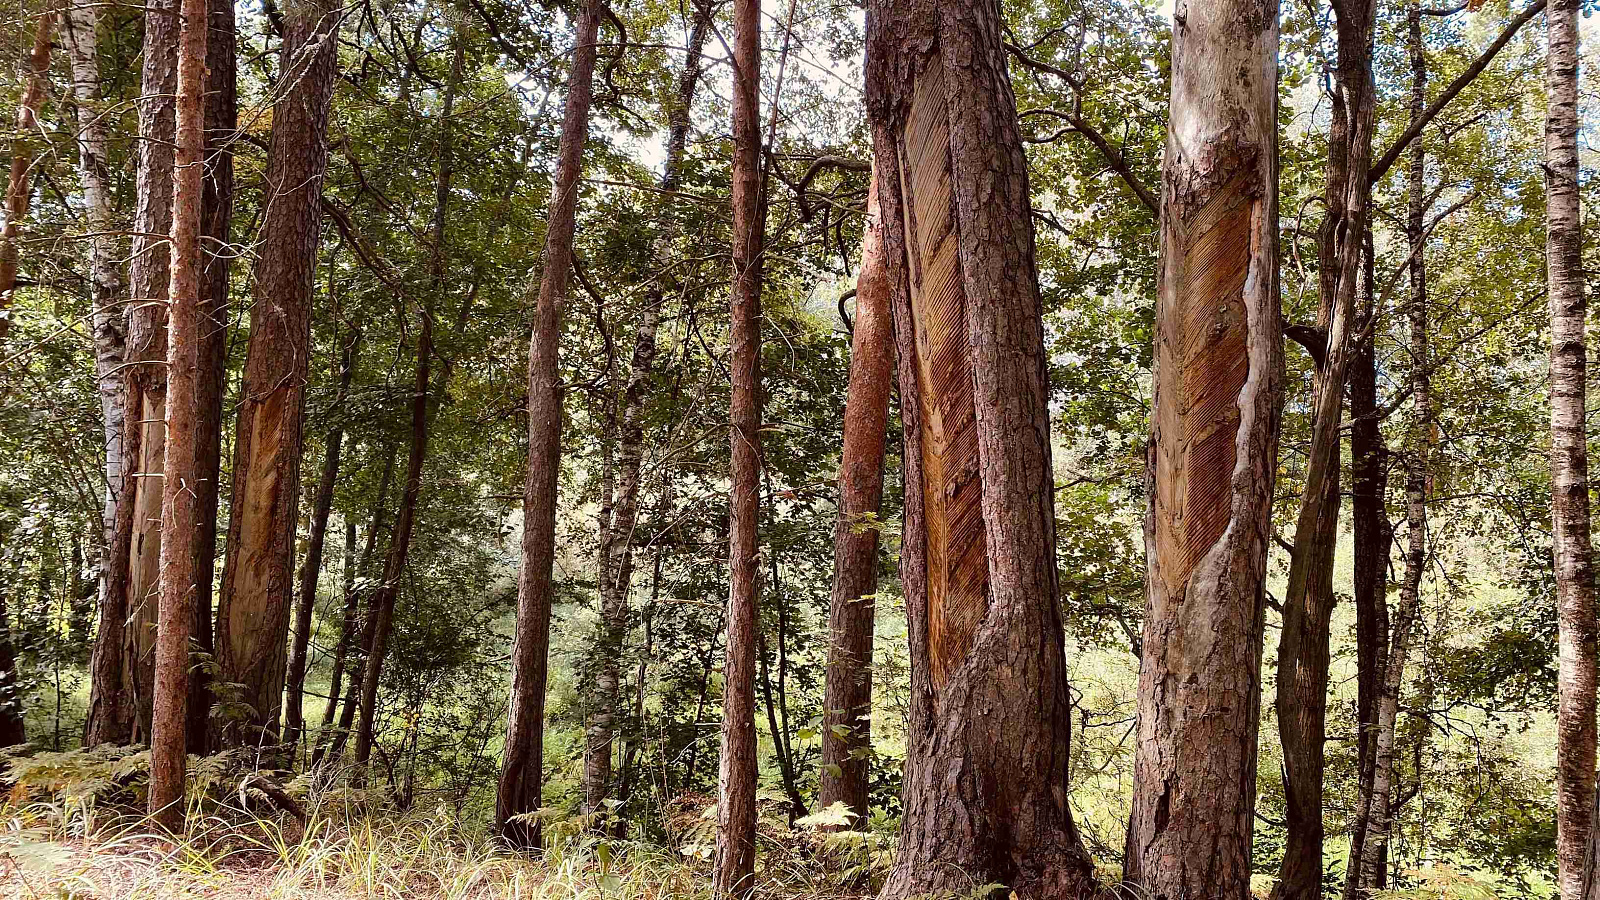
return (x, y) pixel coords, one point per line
(19, 184)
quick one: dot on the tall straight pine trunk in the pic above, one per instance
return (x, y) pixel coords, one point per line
(520, 789)
(617, 541)
(258, 576)
(120, 712)
(733, 869)
(986, 780)
(169, 729)
(1569, 457)
(847, 686)
(1213, 455)
(1302, 690)
(216, 222)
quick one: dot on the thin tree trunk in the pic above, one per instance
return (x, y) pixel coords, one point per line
(616, 549)
(1302, 690)
(733, 867)
(321, 508)
(137, 545)
(107, 720)
(13, 728)
(169, 728)
(258, 578)
(990, 704)
(520, 788)
(1569, 458)
(847, 684)
(380, 611)
(1369, 476)
(1213, 456)
(349, 627)
(222, 120)
(19, 185)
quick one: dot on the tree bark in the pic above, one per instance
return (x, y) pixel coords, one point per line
(169, 728)
(136, 548)
(321, 508)
(350, 623)
(986, 781)
(616, 550)
(1213, 457)
(847, 687)
(1369, 476)
(19, 184)
(106, 720)
(1569, 458)
(1302, 690)
(258, 578)
(222, 120)
(733, 867)
(520, 788)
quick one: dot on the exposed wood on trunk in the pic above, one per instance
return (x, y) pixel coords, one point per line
(1213, 457)
(321, 508)
(733, 867)
(986, 792)
(847, 688)
(19, 184)
(169, 727)
(222, 119)
(1569, 457)
(616, 550)
(258, 579)
(80, 29)
(136, 547)
(520, 788)
(1302, 690)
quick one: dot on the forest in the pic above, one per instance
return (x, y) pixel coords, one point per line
(1002, 449)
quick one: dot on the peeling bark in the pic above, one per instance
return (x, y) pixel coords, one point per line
(1213, 457)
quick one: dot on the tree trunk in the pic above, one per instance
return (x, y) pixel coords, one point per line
(1302, 690)
(1569, 458)
(1213, 457)
(12, 713)
(222, 120)
(321, 508)
(179, 503)
(137, 545)
(106, 720)
(1369, 477)
(987, 751)
(847, 688)
(733, 868)
(258, 578)
(380, 611)
(520, 788)
(350, 623)
(616, 548)
(19, 186)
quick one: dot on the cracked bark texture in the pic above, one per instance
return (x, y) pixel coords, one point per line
(986, 780)
(258, 575)
(520, 788)
(1213, 456)
(733, 869)
(1569, 458)
(1301, 701)
(179, 500)
(847, 688)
